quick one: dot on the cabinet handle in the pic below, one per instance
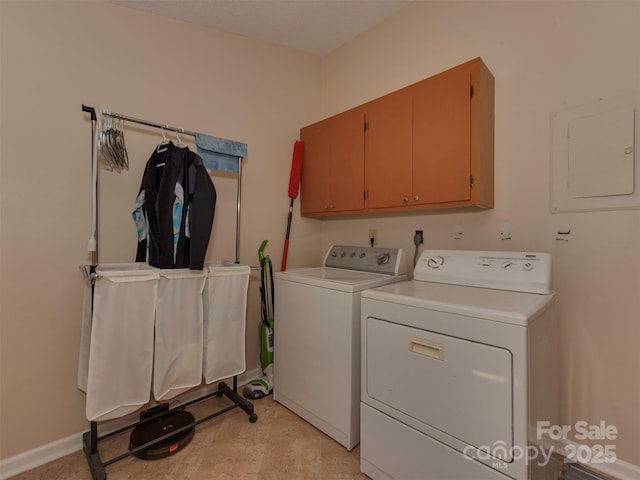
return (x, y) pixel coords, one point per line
(405, 199)
(416, 198)
(330, 205)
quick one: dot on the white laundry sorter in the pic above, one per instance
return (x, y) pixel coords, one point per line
(178, 345)
(158, 331)
(225, 310)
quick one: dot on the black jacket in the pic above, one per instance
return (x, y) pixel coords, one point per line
(167, 167)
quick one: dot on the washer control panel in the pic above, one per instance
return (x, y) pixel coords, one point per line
(366, 259)
(517, 271)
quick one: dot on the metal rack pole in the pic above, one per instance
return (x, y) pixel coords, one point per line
(239, 190)
(148, 123)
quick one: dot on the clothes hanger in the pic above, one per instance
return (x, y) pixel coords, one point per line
(180, 143)
(115, 146)
(104, 144)
(120, 147)
(162, 146)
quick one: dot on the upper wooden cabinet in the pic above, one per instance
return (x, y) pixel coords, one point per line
(333, 167)
(441, 138)
(453, 141)
(428, 145)
(388, 150)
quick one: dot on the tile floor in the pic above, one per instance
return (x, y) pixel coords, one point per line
(279, 446)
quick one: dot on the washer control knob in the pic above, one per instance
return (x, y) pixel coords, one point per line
(507, 265)
(435, 262)
(362, 255)
(528, 266)
(383, 258)
(343, 254)
(353, 254)
(334, 254)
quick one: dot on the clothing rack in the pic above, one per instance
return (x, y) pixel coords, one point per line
(92, 112)
(91, 438)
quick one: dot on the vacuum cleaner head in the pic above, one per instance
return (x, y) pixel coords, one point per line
(159, 427)
(256, 389)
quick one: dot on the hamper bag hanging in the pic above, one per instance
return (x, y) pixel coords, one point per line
(225, 311)
(178, 346)
(121, 345)
(85, 330)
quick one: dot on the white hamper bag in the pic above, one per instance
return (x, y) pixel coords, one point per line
(121, 346)
(85, 330)
(225, 312)
(178, 346)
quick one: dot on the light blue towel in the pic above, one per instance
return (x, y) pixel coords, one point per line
(220, 153)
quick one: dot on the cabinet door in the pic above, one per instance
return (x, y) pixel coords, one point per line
(315, 177)
(333, 166)
(442, 138)
(388, 151)
(347, 162)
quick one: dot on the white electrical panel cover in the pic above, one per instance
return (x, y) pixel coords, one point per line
(594, 161)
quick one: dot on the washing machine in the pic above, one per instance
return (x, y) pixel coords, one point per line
(458, 367)
(317, 335)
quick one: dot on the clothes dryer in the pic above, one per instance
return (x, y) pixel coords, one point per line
(458, 366)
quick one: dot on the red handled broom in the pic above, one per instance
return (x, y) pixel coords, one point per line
(294, 185)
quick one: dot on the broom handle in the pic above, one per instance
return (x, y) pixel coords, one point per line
(283, 267)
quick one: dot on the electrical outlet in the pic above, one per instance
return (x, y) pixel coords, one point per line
(419, 234)
(373, 237)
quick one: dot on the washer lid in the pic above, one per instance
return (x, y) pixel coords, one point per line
(338, 278)
(516, 308)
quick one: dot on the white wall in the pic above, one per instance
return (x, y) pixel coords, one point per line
(545, 56)
(56, 56)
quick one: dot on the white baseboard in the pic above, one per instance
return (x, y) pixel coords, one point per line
(618, 469)
(39, 456)
(64, 446)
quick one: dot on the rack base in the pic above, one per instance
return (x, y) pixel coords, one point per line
(90, 439)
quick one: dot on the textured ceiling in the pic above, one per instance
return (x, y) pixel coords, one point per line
(315, 26)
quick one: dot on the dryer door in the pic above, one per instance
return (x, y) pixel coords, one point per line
(459, 387)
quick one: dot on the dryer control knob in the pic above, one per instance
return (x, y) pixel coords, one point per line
(435, 262)
(527, 266)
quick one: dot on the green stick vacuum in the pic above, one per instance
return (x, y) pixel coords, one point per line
(263, 385)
